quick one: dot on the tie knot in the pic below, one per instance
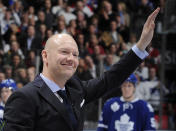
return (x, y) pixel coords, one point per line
(62, 93)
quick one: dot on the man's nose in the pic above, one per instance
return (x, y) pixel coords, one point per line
(70, 56)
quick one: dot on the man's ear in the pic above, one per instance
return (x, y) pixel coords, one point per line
(44, 56)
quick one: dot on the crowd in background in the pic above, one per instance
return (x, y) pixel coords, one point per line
(104, 31)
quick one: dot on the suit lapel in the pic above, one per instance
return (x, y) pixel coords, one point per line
(50, 97)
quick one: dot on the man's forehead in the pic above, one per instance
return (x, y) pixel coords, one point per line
(58, 39)
(63, 38)
(126, 83)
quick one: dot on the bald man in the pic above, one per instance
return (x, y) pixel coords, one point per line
(40, 106)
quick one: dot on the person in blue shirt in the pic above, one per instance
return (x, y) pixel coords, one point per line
(7, 87)
(127, 113)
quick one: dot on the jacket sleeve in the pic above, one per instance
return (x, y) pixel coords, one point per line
(18, 116)
(111, 79)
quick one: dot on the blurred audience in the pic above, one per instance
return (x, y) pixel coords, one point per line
(104, 31)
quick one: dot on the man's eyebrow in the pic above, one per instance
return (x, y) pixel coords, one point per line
(62, 48)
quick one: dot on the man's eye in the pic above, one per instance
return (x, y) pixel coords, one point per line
(65, 52)
(75, 55)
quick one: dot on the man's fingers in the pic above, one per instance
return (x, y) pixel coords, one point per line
(152, 16)
(156, 13)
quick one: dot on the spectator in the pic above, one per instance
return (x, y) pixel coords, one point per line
(19, 85)
(93, 41)
(21, 76)
(57, 8)
(14, 49)
(13, 29)
(2, 10)
(16, 63)
(91, 31)
(17, 11)
(113, 52)
(31, 13)
(122, 10)
(24, 22)
(87, 10)
(112, 36)
(108, 62)
(95, 22)
(31, 41)
(91, 66)
(72, 28)
(42, 34)
(68, 15)
(92, 4)
(41, 19)
(13, 37)
(49, 18)
(32, 22)
(143, 71)
(61, 26)
(49, 33)
(6, 21)
(81, 22)
(31, 59)
(31, 73)
(82, 7)
(2, 76)
(155, 90)
(81, 45)
(7, 86)
(8, 71)
(97, 55)
(132, 41)
(127, 112)
(83, 71)
(106, 15)
(143, 89)
(153, 60)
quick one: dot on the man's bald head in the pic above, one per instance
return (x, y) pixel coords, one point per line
(60, 58)
(57, 39)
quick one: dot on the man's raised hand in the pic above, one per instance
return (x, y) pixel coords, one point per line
(148, 30)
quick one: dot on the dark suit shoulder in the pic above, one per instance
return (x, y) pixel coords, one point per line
(74, 82)
(28, 88)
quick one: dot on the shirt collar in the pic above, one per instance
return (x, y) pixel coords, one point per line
(52, 85)
(134, 100)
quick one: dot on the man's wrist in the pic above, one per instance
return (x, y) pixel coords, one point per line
(141, 46)
(140, 53)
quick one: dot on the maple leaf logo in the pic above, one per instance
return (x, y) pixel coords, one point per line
(115, 107)
(124, 124)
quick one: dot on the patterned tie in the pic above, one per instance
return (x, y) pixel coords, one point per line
(62, 93)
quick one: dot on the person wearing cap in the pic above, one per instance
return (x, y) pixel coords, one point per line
(7, 87)
(127, 113)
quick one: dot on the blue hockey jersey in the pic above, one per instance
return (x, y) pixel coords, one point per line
(118, 115)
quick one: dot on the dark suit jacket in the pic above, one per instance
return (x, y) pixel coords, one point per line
(36, 108)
